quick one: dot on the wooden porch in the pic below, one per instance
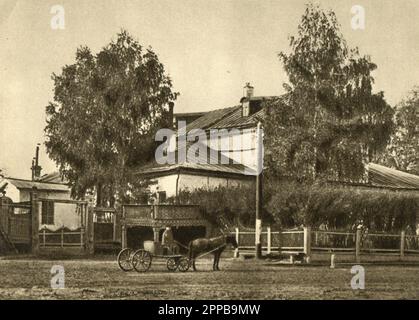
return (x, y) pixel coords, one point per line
(160, 216)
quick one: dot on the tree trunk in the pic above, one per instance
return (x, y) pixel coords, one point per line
(99, 195)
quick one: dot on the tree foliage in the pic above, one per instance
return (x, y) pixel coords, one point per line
(403, 150)
(236, 205)
(330, 122)
(106, 110)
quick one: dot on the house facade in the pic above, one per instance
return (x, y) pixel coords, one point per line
(229, 138)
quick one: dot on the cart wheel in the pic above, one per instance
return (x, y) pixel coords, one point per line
(141, 260)
(124, 259)
(172, 264)
(183, 264)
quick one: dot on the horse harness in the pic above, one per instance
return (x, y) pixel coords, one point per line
(205, 253)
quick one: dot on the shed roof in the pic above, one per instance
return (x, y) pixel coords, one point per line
(387, 177)
(28, 184)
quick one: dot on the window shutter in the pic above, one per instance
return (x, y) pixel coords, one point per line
(44, 213)
(50, 212)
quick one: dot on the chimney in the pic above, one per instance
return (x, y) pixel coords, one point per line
(36, 168)
(248, 90)
(245, 101)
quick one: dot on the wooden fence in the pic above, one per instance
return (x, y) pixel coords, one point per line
(16, 222)
(62, 238)
(308, 241)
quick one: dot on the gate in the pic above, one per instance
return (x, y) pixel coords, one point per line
(19, 228)
(15, 224)
(105, 228)
(16, 221)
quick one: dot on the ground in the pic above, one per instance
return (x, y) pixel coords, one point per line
(100, 278)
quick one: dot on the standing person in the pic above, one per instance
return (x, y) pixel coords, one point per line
(167, 239)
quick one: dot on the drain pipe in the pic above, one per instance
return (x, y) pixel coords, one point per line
(177, 186)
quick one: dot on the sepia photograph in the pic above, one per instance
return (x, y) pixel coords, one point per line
(228, 151)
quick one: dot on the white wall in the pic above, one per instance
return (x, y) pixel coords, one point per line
(241, 147)
(237, 144)
(12, 192)
(65, 215)
(165, 183)
(191, 182)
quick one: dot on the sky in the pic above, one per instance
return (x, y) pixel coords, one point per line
(210, 49)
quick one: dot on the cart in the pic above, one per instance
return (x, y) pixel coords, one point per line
(140, 260)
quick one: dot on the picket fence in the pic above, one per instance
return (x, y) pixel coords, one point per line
(309, 241)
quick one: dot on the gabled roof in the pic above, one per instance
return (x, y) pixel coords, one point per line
(213, 161)
(236, 120)
(28, 184)
(211, 118)
(230, 117)
(387, 177)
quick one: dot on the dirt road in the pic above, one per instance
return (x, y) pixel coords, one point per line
(101, 279)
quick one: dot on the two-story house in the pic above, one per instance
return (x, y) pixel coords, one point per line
(231, 143)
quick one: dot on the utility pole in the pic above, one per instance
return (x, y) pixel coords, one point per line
(258, 222)
(36, 168)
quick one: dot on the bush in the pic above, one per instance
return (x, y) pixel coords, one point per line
(293, 203)
(236, 205)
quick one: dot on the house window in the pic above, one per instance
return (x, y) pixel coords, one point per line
(162, 196)
(47, 216)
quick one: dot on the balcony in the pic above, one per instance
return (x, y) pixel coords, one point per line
(162, 215)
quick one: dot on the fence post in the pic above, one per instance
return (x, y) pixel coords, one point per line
(4, 214)
(34, 222)
(268, 230)
(90, 229)
(124, 236)
(62, 237)
(114, 225)
(358, 245)
(81, 236)
(236, 251)
(332, 261)
(307, 243)
(124, 241)
(43, 237)
(402, 244)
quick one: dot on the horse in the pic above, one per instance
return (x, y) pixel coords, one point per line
(214, 245)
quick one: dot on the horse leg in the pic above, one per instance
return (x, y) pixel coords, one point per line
(215, 262)
(218, 260)
(193, 263)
